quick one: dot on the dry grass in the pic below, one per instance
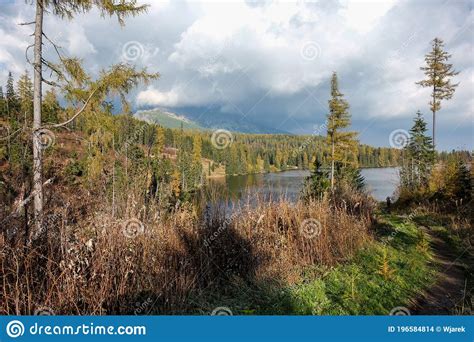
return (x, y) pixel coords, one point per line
(91, 267)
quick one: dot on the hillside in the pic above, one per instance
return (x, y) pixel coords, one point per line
(166, 119)
(202, 121)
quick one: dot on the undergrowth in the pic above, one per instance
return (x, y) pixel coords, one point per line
(383, 275)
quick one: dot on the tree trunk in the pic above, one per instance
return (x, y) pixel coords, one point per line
(434, 115)
(37, 148)
(332, 165)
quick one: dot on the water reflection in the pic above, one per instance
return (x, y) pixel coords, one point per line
(236, 191)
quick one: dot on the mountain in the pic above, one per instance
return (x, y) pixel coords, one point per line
(202, 121)
(166, 119)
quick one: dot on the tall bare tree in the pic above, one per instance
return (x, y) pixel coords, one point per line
(438, 77)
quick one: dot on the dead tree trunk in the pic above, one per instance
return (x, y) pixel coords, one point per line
(37, 93)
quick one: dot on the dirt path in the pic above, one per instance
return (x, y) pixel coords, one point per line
(448, 294)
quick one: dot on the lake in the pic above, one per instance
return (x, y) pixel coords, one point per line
(380, 182)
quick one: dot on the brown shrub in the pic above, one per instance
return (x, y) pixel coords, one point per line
(92, 267)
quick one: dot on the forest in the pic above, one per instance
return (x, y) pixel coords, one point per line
(237, 153)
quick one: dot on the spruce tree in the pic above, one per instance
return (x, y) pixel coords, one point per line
(3, 105)
(463, 182)
(11, 97)
(342, 144)
(351, 176)
(438, 77)
(419, 156)
(197, 164)
(318, 182)
(25, 97)
(51, 107)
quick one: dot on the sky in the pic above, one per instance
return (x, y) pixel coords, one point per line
(270, 62)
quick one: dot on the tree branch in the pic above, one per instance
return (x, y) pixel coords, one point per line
(51, 83)
(11, 134)
(75, 115)
(56, 47)
(26, 53)
(51, 66)
(29, 23)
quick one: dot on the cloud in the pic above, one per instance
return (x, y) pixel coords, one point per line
(270, 62)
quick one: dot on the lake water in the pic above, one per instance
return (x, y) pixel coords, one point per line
(380, 182)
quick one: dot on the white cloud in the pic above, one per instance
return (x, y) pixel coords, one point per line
(362, 15)
(77, 42)
(247, 58)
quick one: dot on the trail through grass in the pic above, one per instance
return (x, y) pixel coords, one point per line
(387, 273)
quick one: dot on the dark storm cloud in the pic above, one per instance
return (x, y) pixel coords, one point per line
(269, 63)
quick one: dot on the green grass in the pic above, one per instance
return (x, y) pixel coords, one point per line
(385, 274)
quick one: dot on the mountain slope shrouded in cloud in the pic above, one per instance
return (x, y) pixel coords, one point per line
(190, 119)
(166, 119)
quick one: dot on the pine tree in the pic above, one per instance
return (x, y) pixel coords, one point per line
(11, 97)
(197, 164)
(3, 105)
(318, 182)
(51, 107)
(25, 97)
(266, 163)
(350, 175)
(419, 156)
(342, 144)
(462, 182)
(160, 140)
(438, 73)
